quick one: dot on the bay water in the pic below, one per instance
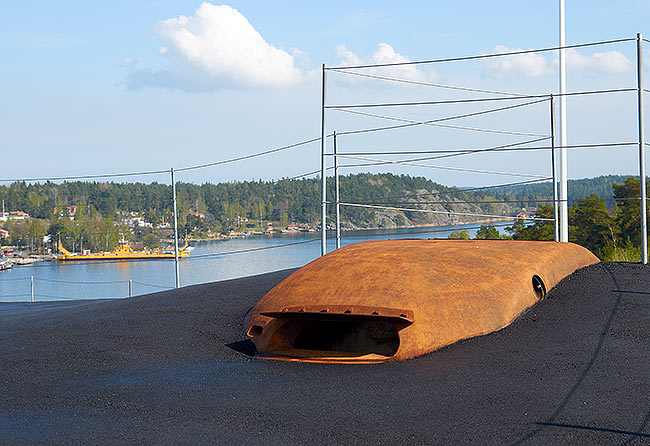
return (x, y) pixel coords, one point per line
(209, 261)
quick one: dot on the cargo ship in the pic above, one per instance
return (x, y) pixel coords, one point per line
(123, 251)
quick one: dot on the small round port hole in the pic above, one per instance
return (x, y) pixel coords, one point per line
(538, 287)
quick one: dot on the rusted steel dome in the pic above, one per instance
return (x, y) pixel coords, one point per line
(392, 300)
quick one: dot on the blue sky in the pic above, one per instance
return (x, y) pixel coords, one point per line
(99, 87)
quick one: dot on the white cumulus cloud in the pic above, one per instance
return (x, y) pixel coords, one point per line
(385, 54)
(218, 43)
(536, 64)
(528, 64)
(607, 61)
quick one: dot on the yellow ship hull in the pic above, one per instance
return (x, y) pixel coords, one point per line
(113, 256)
(122, 252)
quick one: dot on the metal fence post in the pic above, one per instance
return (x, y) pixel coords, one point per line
(178, 278)
(554, 171)
(130, 287)
(564, 207)
(644, 216)
(338, 196)
(323, 249)
(31, 278)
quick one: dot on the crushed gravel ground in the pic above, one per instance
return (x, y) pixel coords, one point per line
(164, 369)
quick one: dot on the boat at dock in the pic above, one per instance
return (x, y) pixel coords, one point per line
(4, 263)
(123, 251)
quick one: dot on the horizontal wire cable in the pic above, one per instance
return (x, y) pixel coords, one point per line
(459, 169)
(297, 176)
(423, 231)
(432, 211)
(505, 148)
(254, 155)
(311, 173)
(185, 258)
(438, 229)
(438, 102)
(15, 279)
(434, 124)
(81, 282)
(87, 283)
(457, 191)
(47, 296)
(467, 101)
(426, 84)
(491, 110)
(78, 262)
(165, 171)
(518, 183)
(152, 285)
(399, 126)
(85, 177)
(496, 186)
(382, 128)
(129, 230)
(374, 129)
(263, 248)
(481, 56)
(466, 115)
(408, 163)
(465, 152)
(156, 172)
(511, 146)
(526, 200)
(458, 152)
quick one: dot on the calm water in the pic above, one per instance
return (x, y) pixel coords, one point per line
(83, 280)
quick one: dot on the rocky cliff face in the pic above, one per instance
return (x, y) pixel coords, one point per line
(434, 208)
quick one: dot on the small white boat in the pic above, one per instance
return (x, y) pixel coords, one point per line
(5, 264)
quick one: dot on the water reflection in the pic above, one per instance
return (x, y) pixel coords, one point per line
(95, 280)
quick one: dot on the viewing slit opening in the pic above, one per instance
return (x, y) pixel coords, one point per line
(347, 338)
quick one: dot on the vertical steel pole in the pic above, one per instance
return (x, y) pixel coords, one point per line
(31, 278)
(644, 216)
(130, 287)
(564, 209)
(338, 195)
(554, 170)
(323, 235)
(178, 277)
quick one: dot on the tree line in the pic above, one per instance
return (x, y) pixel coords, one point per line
(612, 232)
(224, 205)
(606, 229)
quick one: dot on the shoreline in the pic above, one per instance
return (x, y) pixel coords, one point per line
(26, 260)
(374, 228)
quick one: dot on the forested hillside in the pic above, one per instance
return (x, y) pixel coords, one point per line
(206, 210)
(295, 201)
(601, 186)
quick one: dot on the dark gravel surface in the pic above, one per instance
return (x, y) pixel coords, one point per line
(155, 369)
